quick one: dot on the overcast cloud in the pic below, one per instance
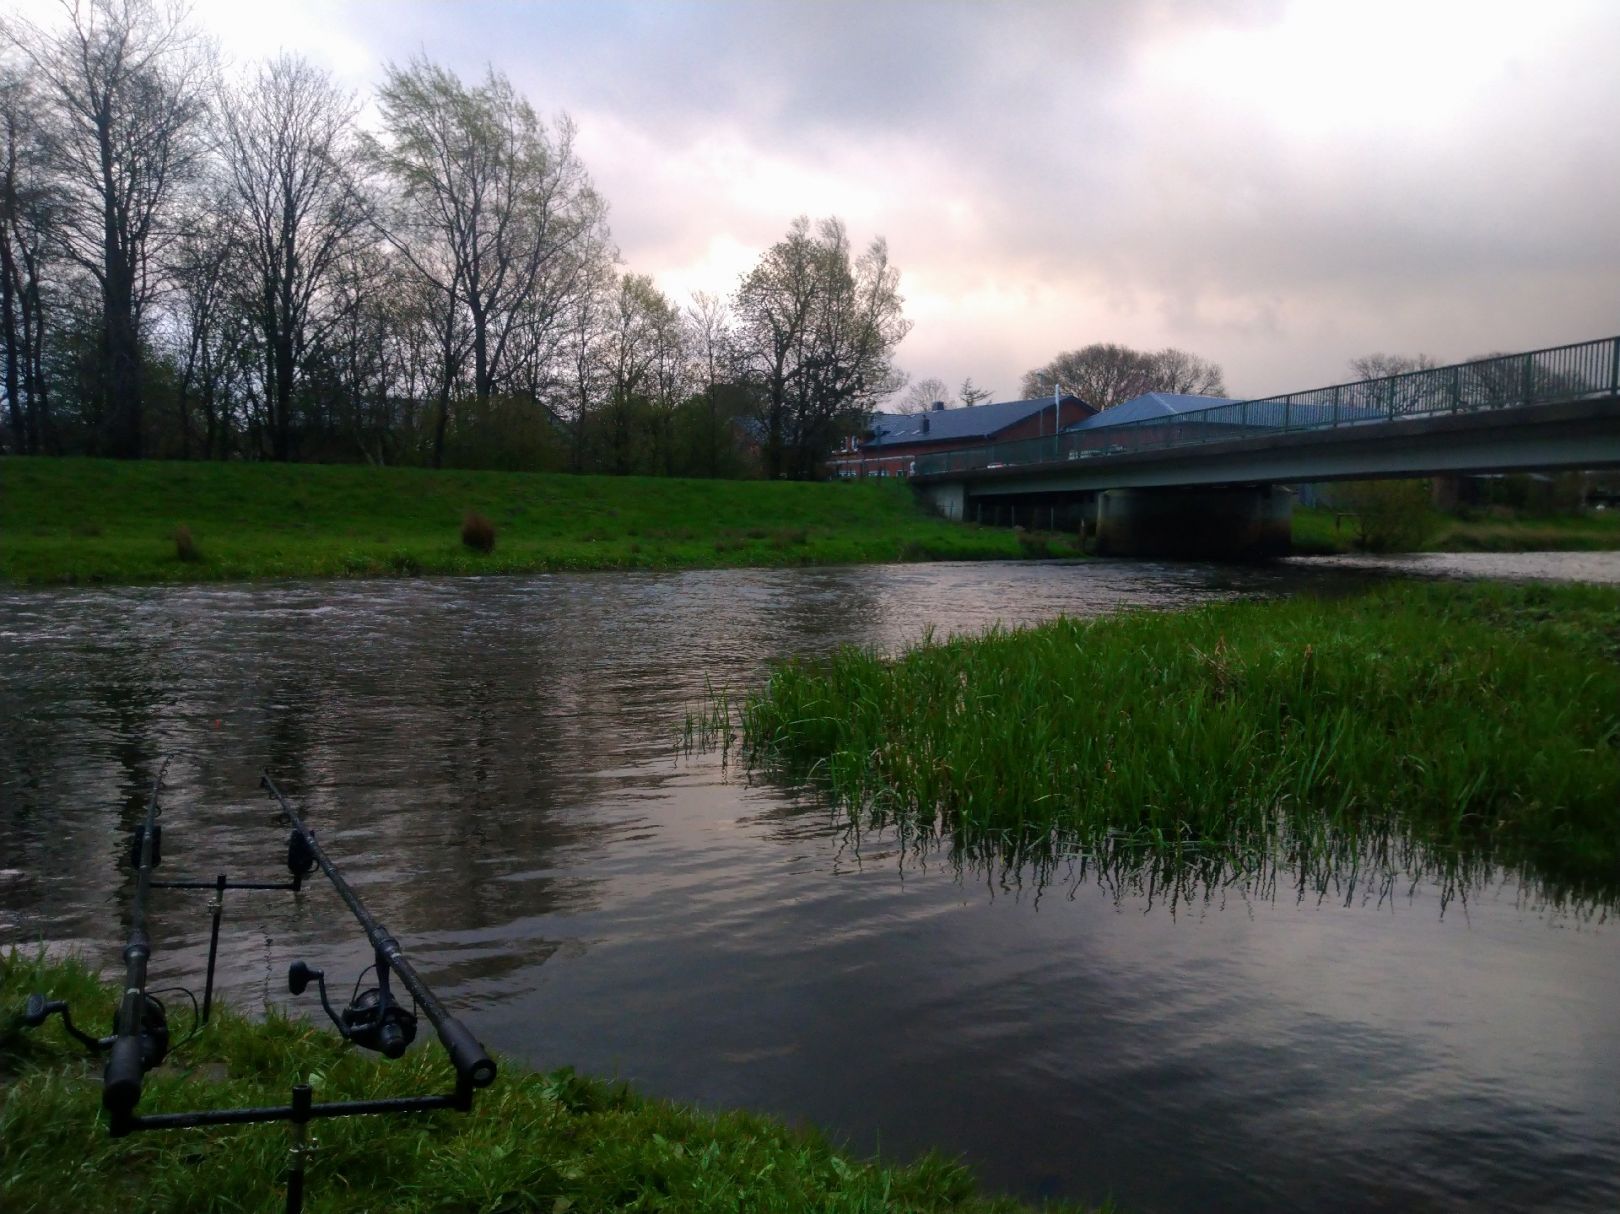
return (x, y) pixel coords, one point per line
(1278, 186)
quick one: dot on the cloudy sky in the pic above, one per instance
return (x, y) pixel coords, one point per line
(1278, 185)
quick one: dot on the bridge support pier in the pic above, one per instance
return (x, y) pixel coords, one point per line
(949, 499)
(1253, 523)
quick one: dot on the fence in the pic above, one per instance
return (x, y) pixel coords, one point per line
(1584, 371)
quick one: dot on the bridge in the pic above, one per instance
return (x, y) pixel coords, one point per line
(1211, 481)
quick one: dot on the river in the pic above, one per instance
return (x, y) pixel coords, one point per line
(495, 763)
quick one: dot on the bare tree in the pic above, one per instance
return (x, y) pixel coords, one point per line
(1176, 370)
(1105, 374)
(28, 205)
(1377, 366)
(127, 84)
(711, 347)
(297, 209)
(971, 394)
(586, 369)
(208, 333)
(919, 395)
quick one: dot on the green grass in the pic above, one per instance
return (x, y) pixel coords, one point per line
(80, 520)
(540, 1142)
(1319, 531)
(1470, 723)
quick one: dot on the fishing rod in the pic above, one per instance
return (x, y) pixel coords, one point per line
(373, 1019)
(140, 1037)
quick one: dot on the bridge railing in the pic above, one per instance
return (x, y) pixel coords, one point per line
(1585, 370)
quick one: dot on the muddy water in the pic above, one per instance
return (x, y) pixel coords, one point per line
(494, 762)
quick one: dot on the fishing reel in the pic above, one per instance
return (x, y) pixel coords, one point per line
(300, 859)
(373, 1019)
(152, 1032)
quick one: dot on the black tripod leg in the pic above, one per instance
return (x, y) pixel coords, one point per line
(301, 1148)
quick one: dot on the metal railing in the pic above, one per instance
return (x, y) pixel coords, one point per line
(1586, 370)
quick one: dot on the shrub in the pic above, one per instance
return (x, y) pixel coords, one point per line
(477, 532)
(1033, 547)
(185, 548)
(1391, 516)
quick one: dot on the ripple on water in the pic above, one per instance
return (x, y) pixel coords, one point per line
(493, 760)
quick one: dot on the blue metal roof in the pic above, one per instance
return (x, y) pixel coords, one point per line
(946, 425)
(1148, 406)
(1259, 415)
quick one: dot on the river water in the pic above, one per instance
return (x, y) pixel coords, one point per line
(494, 762)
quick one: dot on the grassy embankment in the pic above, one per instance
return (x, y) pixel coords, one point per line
(541, 1142)
(80, 520)
(1471, 723)
(1321, 531)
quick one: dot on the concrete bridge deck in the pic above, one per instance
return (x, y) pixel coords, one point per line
(1540, 411)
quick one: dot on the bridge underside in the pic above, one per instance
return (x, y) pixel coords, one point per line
(1217, 499)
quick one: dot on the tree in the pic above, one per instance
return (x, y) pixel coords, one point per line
(816, 332)
(492, 209)
(1377, 366)
(1391, 515)
(126, 81)
(208, 335)
(640, 352)
(1176, 370)
(296, 209)
(920, 395)
(709, 443)
(970, 394)
(1105, 374)
(28, 204)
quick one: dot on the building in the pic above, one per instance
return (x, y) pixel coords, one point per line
(892, 441)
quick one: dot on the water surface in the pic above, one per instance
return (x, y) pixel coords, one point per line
(494, 763)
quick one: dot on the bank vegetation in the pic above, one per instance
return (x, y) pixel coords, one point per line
(1475, 723)
(120, 521)
(544, 1142)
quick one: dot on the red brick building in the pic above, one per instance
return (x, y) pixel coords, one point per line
(894, 440)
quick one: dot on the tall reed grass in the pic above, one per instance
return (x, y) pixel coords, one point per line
(1478, 721)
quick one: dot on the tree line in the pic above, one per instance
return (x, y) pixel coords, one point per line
(202, 265)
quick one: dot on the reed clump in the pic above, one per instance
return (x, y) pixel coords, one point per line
(185, 547)
(477, 532)
(1472, 718)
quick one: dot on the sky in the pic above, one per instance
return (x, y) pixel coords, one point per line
(1276, 185)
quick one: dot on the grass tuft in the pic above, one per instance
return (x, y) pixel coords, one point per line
(477, 532)
(185, 548)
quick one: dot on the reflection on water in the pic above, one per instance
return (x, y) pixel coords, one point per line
(1376, 869)
(493, 763)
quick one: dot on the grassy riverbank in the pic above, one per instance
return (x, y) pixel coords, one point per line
(1321, 531)
(80, 520)
(542, 1142)
(1474, 720)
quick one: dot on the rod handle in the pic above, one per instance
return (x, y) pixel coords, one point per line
(473, 1066)
(121, 1086)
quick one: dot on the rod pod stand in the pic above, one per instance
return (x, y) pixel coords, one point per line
(373, 1019)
